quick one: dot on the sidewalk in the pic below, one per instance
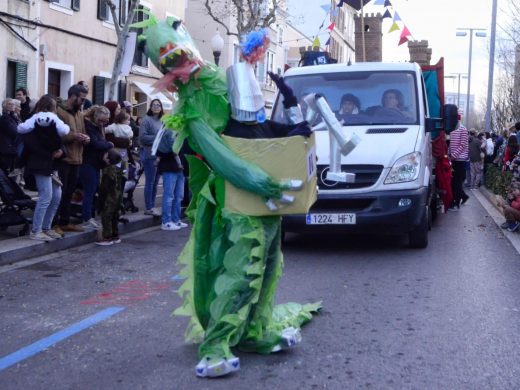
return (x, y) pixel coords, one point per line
(22, 248)
(487, 200)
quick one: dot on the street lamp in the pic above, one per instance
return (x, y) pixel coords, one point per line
(457, 76)
(462, 32)
(489, 100)
(217, 44)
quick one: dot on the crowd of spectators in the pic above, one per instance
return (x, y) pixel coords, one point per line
(58, 147)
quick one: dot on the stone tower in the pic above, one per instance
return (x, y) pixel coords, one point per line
(373, 38)
(420, 52)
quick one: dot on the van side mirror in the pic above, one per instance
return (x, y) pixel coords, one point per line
(450, 117)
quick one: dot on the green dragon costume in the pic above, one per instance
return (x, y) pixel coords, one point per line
(232, 262)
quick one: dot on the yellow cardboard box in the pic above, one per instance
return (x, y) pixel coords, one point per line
(283, 158)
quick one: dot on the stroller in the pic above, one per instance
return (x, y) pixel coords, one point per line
(135, 170)
(14, 201)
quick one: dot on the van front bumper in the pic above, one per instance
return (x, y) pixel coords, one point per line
(376, 212)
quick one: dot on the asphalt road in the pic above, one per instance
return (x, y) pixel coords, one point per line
(446, 317)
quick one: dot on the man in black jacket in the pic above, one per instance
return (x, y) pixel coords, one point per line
(25, 102)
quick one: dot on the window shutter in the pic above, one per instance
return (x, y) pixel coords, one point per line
(121, 91)
(21, 75)
(75, 5)
(123, 12)
(102, 10)
(98, 91)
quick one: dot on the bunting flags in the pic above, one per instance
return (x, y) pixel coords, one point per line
(404, 36)
(394, 27)
(331, 27)
(316, 42)
(387, 14)
(328, 42)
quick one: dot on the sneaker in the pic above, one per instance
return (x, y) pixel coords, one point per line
(181, 224)
(52, 234)
(169, 226)
(40, 236)
(505, 225)
(116, 240)
(453, 208)
(57, 229)
(15, 172)
(105, 242)
(217, 367)
(91, 224)
(513, 226)
(152, 212)
(464, 200)
(71, 228)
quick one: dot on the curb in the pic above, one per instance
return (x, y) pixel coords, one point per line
(22, 248)
(488, 201)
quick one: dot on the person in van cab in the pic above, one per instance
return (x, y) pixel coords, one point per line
(349, 105)
(393, 98)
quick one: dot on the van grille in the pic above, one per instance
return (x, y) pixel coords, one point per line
(366, 176)
(386, 130)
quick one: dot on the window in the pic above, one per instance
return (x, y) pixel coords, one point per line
(369, 88)
(16, 77)
(54, 82)
(140, 58)
(121, 11)
(69, 4)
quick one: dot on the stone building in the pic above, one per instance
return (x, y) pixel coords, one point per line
(369, 30)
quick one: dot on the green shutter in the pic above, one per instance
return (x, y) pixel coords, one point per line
(102, 10)
(75, 5)
(21, 75)
(121, 91)
(98, 90)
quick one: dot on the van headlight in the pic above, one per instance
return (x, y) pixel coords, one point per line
(405, 169)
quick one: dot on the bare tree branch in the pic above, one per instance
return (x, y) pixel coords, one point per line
(115, 17)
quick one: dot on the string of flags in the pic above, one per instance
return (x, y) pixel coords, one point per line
(390, 13)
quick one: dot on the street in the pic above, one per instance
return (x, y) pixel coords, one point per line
(446, 317)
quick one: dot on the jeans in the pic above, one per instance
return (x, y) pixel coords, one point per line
(150, 177)
(476, 173)
(69, 177)
(173, 193)
(89, 178)
(49, 195)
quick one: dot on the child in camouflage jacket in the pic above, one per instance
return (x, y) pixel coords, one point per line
(110, 198)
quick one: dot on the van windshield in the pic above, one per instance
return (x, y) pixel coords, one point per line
(360, 98)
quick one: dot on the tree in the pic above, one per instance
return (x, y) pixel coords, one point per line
(248, 14)
(121, 30)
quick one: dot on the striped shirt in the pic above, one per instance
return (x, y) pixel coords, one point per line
(459, 144)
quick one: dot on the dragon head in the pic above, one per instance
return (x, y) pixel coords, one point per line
(170, 48)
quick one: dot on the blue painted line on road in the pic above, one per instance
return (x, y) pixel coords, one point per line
(178, 277)
(63, 334)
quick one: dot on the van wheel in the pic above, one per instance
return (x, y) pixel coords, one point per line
(418, 238)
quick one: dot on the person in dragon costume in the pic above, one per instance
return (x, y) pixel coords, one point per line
(231, 262)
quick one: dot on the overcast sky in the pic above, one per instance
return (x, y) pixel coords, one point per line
(432, 20)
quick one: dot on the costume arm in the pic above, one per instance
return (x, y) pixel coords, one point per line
(27, 126)
(227, 164)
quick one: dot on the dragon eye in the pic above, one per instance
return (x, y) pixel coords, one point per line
(176, 24)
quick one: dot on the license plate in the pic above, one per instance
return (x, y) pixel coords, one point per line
(331, 219)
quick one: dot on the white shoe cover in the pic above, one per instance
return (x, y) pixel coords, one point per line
(216, 368)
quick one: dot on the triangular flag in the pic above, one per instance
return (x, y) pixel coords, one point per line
(387, 3)
(404, 36)
(397, 18)
(340, 3)
(328, 42)
(394, 27)
(316, 42)
(326, 7)
(379, 2)
(334, 12)
(387, 14)
(331, 27)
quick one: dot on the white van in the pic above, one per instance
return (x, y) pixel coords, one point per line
(393, 191)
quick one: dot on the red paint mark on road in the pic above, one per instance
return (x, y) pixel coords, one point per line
(127, 293)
